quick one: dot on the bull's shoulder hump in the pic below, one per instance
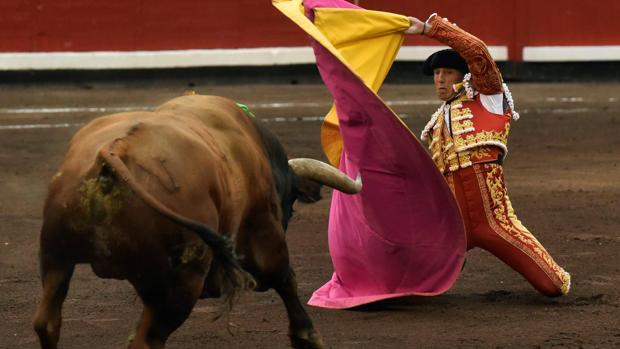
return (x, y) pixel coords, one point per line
(199, 101)
(219, 114)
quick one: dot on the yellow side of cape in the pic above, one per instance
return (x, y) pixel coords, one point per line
(365, 41)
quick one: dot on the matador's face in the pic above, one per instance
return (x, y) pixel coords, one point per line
(444, 78)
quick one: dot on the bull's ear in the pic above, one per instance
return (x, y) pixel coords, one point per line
(308, 191)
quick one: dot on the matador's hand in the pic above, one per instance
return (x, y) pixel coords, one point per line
(416, 26)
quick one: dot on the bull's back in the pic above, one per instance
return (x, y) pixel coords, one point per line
(196, 154)
(209, 119)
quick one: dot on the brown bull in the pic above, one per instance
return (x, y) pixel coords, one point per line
(186, 202)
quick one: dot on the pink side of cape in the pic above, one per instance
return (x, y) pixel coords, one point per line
(403, 234)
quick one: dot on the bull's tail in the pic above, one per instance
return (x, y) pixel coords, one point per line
(235, 278)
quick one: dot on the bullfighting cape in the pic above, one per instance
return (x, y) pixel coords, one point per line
(402, 234)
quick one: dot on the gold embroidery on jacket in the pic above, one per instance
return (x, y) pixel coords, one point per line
(465, 146)
(481, 138)
(480, 153)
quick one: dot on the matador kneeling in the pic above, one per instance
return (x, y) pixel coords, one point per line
(467, 138)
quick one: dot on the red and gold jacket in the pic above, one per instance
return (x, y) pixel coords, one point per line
(474, 134)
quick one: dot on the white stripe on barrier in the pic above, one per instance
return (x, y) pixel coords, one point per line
(571, 53)
(264, 56)
(155, 59)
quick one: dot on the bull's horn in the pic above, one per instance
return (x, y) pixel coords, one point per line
(325, 174)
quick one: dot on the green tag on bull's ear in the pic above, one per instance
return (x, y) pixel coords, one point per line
(246, 110)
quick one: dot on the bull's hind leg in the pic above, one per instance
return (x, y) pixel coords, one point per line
(55, 276)
(166, 306)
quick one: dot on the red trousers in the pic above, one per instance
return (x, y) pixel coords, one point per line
(491, 224)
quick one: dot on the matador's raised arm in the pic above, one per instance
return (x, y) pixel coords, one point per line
(485, 73)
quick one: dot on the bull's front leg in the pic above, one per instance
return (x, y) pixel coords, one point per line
(301, 329)
(266, 257)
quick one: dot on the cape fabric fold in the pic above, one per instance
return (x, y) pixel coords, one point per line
(402, 234)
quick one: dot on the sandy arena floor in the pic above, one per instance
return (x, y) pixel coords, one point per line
(563, 175)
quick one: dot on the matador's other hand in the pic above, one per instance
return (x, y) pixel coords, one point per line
(416, 26)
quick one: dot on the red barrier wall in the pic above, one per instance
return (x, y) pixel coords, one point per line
(129, 25)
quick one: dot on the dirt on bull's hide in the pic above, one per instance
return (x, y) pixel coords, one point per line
(100, 200)
(562, 175)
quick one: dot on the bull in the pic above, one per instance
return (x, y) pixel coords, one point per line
(188, 201)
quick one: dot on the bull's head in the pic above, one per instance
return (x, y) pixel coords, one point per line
(301, 178)
(310, 175)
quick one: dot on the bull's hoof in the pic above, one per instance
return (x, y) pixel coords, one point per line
(306, 340)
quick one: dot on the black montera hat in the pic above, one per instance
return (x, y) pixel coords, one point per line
(447, 58)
